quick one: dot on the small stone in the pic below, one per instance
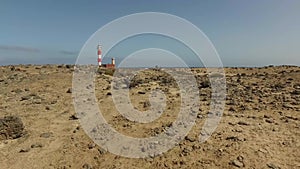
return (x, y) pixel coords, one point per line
(68, 66)
(37, 145)
(25, 98)
(263, 150)
(87, 166)
(287, 105)
(191, 139)
(69, 90)
(73, 117)
(24, 150)
(273, 166)
(91, 145)
(199, 116)
(37, 101)
(124, 86)
(232, 138)
(146, 104)
(53, 102)
(237, 163)
(101, 151)
(243, 123)
(149, 160)
(231, 109)
(295, 92)
(232, 124)
(291, 117)
(186, 151)
(240, 158)
(46, 135)
(269, 120)
(205, 84)
(17, 91)
(141, 92)
(12, 68)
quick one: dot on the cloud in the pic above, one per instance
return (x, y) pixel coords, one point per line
(68, 52)
(19, 48)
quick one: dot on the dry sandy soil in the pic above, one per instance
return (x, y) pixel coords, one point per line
(260, 127)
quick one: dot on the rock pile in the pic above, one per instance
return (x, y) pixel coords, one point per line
(11, 127)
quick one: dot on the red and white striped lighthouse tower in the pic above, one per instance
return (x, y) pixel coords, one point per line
(99, 55)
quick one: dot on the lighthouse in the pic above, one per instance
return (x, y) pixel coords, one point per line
(106, 66)
(99, 55)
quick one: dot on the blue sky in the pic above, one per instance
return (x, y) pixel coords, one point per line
(245, 33)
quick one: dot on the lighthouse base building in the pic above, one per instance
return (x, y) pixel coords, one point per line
(111, 65)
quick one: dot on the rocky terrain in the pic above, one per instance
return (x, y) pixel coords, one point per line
(260, 127)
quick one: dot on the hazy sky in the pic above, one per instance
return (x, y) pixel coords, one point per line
(245, 33)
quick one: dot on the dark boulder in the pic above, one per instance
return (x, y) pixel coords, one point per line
(11, 127)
